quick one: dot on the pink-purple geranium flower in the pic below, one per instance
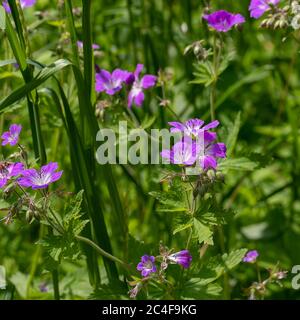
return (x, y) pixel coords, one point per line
(223, 21)
(251, 256)
(12, 135)
(24, 4)
(94, 45)
(193, 127)
(184, 152)
(147, 266)
(136, 94)
(40, 179)
(9, 170)
(258, 7)
(196, 145)
(110, 83)
(183, 258)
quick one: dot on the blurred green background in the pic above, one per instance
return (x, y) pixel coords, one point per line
(261, 82)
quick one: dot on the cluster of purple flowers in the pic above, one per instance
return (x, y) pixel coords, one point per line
(36, 179)
(24, 4)
(147, 264)
(111, 83)
(197, 144)
(223, 20)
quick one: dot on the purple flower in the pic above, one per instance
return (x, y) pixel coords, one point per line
(39, 179)
(147, 266)
(258, 7)
(110, 83)
(193, 127)
(196, 145)
(251, 256)
(94, 45)
(9, 170)
(183, 258)
(136, 94)
(184, 152)
(209, 154)
(199, 147)
(223, 21)
(12, 136)
(24, 3)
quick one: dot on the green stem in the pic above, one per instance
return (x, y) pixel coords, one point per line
(102, 252)
(258, 272)
(55, 280)
(212, 95)
(174, 113)
(35, 262)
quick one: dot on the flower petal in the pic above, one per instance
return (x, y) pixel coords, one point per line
(138, 70)
(50, 167)
(148, 81)
(207, 162)
(211, 125)
(139, 98)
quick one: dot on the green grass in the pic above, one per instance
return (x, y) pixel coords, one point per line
(255, 98)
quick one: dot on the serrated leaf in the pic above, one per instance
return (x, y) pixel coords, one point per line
(183, 227)
(171, 200)
(232, 259)
(216, 266)
(202, 232)
(204, 73)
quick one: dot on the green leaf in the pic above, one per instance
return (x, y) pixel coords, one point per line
(233, 134)
(72, 220)
(195, 290)
(19, 280)
(240, 164)
(216, 266)
(41, 77)
(182, 227)
(232, 259)
(202, 232)
(2, 18)
(204, 73)
(211, 213)
(15, 44)
(171, 200)
(65, 246)
(148, 121)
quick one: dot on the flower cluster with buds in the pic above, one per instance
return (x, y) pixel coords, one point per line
(16, 177)
(295, 12)
(258, 289)
(150, 271)
(279, 17)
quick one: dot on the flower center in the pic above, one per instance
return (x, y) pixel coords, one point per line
(148, 265)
